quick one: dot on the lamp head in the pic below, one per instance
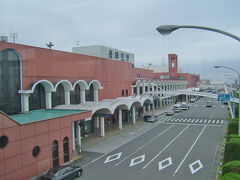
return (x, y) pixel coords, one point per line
(167, 29)
(217, 67)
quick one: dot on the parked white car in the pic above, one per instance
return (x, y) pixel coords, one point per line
(185, 106)
(177, 108)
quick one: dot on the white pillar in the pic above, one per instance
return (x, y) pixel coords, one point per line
(25, 98)
(143, 89)
(120, 119)
(48, 100)
(67, 97)
(73, 137)
(97, 122)
(78, 129)
(144, 109)
(95, 95)
(133, 115)
(82, 92)
(102, 127)
(138, 90)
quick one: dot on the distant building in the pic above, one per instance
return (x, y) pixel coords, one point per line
(105, 52)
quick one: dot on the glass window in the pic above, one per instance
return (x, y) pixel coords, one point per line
(127, 57)
(110, 54)
(122, 56)
(116, 55)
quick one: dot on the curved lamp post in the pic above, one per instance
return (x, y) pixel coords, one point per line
(167, 29)
(238, 93)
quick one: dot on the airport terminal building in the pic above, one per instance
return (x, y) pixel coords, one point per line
(50, 100)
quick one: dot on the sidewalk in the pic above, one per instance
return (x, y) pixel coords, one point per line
(115, 138)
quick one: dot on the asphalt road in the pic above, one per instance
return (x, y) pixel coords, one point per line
(182, 147)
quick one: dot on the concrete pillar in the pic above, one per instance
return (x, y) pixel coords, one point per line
(120, 119)
(97, 122)
(138, 90)
(143, 89)
(149, 107)
(95, 94)
(102, 127)
(48, 100)
(82, 92)
(73, 136)
(25, 102)
(67, 97)
(148, 89)
(78, 129)
(133, 115)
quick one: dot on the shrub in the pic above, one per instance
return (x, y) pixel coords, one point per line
(232, 127)
(231, 167)
(232, 150)
(230, 136)
(231, 176)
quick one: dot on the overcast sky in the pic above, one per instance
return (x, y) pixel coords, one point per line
(130, 25)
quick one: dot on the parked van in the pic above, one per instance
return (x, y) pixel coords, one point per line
(177, 108)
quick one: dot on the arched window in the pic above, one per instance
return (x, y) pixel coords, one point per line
(37, 99)
(126, 92)
(122, 92)
(75, 95)
(10, 99)
(55, 158)
(116, 55)
(58, 96)
(90, 94)
(65, 149)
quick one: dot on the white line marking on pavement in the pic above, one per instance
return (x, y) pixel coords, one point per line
(160, 164)
(217, 122)
(166, 147)
(196, 120)
(94, 160)
(209, 121)
(189, 150)
(222, 121)
(196, 169)
(213, 122)
(189, 120)
(201, 121)
(114, 157)
(193, 120)
(145, 145)
(139, 160)
(205, 121)
(184, 120)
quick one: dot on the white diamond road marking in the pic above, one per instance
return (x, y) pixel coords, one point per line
(200, 166)
(217, 121)
(137, 160)
(113, 157)
(160, 164)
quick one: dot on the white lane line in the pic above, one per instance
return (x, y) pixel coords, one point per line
(94, 160)
(189, 150)
(166, 147)
(144, 145)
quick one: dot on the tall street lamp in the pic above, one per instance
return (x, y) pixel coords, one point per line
(238, 93)
(167, 29)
